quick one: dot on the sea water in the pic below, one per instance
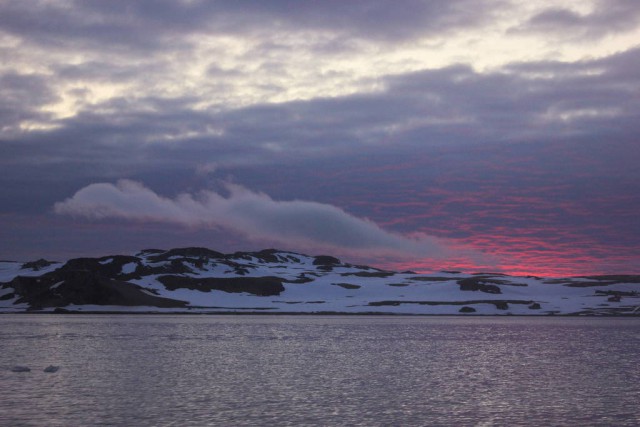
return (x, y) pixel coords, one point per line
(161, 370)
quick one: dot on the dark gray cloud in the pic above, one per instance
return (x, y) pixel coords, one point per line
(373, 19)
(21, 96)
(527, 102)
(608, 17)
(78, 25)
(146, 24)
(521, 101)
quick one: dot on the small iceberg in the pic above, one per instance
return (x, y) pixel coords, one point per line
(20, 369)
(51, 369)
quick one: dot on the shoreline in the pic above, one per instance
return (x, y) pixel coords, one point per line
(318, 313)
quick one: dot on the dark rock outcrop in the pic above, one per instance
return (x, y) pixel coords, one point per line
(381, 274)
(8, 296)
(81, 287)
(500, 304)
(482, 284)
(192, 252)
(606, 280)
(431, 279)
(617, 293)
(326, 260)
(347, 285)
(260, 286)
(108, 266)
(37, 265)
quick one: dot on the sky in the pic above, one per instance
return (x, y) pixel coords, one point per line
(473, 135)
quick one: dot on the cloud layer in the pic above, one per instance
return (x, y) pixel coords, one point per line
(508, 126)
(294, 223)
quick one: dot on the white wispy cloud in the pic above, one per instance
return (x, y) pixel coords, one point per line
(256, 215)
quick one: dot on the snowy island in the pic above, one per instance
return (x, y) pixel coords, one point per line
(199, 280)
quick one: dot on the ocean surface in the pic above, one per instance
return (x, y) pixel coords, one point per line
(149, 370)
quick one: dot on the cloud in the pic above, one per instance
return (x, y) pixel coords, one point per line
(295, 223)
(156, 24)
(205, 169)
(22, 96)
(150, 139)
(608, 17)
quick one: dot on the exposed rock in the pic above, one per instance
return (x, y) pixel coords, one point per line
(7, 297)
(302, 278)
(486, 274)
(347, 285)
(326, 260)
(535, 306)
(261, 286)
(431, 279)
(268, 256)
(37, 265)
(608, 280)
(173, 266)
(108, 266)
(381, 274)
(617, 293)
(467, 309)
(191, 252)
(61, 288)
(145, 252)
(616, 278)
(482, 284)
(392, 303)
(500, 305)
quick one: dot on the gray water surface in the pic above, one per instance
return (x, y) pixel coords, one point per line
(314, 370)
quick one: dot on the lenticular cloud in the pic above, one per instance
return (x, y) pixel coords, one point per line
(256, 215)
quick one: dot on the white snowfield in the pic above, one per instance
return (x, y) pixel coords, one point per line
(303, 284)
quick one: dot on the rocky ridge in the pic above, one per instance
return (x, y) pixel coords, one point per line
(200, 280)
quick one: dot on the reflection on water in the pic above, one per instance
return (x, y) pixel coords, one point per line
(296, 370)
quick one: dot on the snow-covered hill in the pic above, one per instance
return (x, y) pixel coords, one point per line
(199, 280)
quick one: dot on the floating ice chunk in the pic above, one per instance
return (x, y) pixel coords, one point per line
(20, 369)
(51, 369)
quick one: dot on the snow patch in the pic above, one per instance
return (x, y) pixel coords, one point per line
(129, 268)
